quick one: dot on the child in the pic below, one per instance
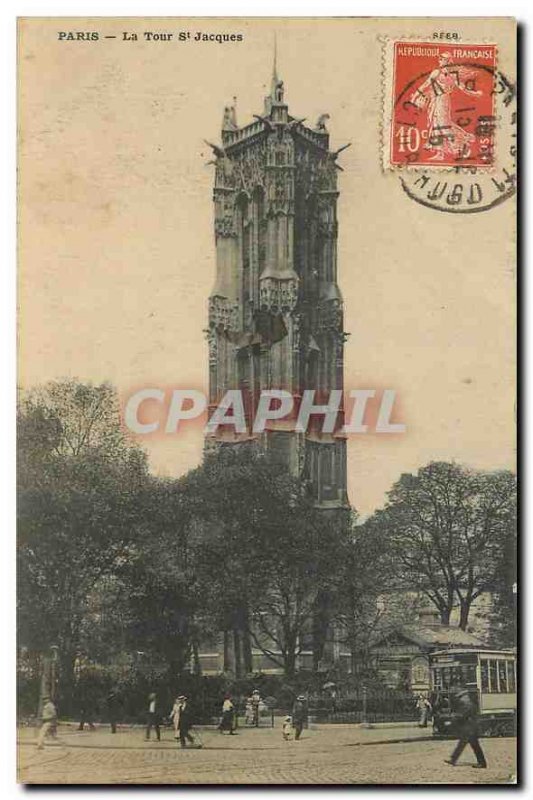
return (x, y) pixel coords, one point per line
(287, 728)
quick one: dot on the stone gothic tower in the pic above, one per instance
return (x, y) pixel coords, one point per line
(276, 310)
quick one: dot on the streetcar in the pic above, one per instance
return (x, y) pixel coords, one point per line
(490, 677)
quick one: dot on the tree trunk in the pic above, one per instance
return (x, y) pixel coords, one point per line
(197, 668)
(237, 650)
(465, 612)
(227, 652)
(445, 615)
(290, 664)
(63, 674)
(290, 655)
(247, 651)
(320, 628)
(353, 660)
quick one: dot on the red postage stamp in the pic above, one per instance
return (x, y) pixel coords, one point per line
(441, 105)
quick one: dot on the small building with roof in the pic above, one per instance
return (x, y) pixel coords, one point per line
(401, 657)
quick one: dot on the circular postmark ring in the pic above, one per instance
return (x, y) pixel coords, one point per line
(467, 189)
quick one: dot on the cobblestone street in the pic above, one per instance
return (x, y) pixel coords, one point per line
(324, 755)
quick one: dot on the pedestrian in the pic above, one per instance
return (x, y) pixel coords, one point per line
(49, 721)
(175, 715)
(424, 707)
(256, 702)
(287, 728)
(227, 723)
(465, 713)
(112, 709)
(152, 717)
(248, 712)
(299, 716)
(85, 707)
(185, 722)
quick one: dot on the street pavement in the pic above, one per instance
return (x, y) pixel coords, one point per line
(326, 754)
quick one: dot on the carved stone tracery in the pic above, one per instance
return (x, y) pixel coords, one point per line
(223, 313)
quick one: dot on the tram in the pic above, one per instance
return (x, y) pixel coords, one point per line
(490, 677)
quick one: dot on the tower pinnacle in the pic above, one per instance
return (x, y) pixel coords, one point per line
(274, 81)
(276, 85)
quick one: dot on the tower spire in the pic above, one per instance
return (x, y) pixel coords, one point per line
(275, 97)
(274, 69)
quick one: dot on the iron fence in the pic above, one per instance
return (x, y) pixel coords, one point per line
(378, 705)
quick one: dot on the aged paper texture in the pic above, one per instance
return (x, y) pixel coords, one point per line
(266, 421)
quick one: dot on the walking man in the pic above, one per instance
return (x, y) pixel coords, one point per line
(299, 716)
(85, 706)
(152, 717)
(49, 721)
(185, 723)
(112, 710)
(467, 723)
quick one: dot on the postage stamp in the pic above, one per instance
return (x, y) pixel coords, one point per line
(440, 108)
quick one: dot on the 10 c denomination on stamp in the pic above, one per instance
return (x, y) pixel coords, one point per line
(440, 108)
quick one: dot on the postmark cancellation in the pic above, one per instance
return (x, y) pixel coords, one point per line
(448, 112)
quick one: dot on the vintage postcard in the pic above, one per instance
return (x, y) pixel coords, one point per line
(266, 410)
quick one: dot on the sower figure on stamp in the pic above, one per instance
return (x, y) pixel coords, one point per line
(465, 713)
(444, 135)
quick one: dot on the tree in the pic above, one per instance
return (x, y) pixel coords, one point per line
(447, 526)
(265, 554)
(366, 606)
(503, 615)
(78, 487)
(163, 580)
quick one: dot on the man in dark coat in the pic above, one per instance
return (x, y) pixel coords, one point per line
(152, 717)
(299, 716)
(465, 713)
(85, 705)
(185, 722)
(112, 709)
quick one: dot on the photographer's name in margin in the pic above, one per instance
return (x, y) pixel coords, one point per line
(151, 36)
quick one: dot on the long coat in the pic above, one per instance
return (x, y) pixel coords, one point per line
(299, 712)
(185, 720)
(466, 716)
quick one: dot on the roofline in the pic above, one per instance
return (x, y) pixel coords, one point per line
(459, 650)
(418, 639)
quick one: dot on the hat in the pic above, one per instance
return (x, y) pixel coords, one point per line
(182, 697)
